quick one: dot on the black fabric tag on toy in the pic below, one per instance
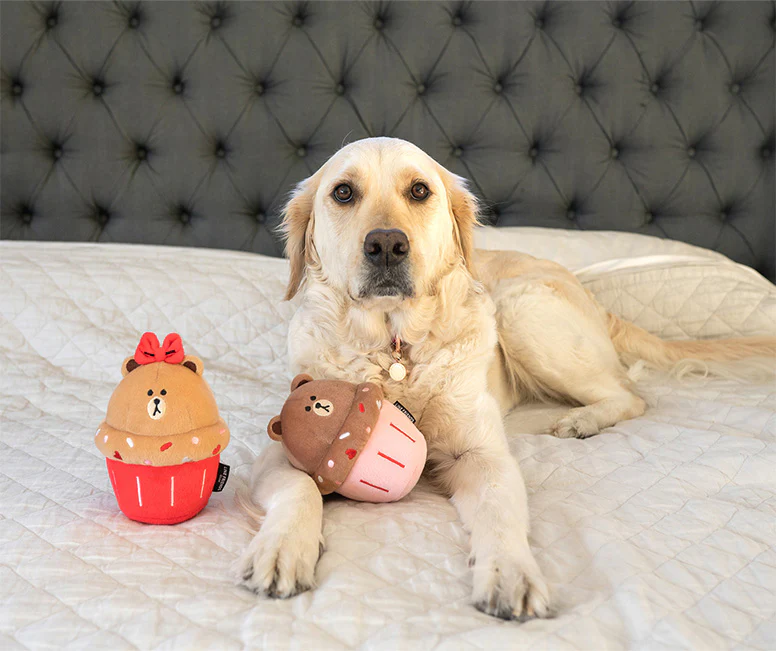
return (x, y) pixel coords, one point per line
(404, 411)
(221, 478)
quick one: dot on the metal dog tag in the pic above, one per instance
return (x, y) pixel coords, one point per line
(397, 371)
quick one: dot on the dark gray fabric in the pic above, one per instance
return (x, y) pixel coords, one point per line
(187, 123)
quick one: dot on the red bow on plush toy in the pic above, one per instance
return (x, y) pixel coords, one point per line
(149, 350)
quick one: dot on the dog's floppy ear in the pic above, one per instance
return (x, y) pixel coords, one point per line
(296, 228)
(465, 210)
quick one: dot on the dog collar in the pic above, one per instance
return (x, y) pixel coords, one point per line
(397, 370)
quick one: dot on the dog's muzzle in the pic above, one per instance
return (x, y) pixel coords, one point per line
(386, 252)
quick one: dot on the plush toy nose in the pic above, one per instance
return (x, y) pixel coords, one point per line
(323, 408)
(156, 408)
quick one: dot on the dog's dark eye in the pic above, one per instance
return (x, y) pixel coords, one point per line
(343, 193)
(420, 192)
(163, 392)
(150, 392)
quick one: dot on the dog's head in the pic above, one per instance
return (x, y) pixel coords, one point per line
(381, 220)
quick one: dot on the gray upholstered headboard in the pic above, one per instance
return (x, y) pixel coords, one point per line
(187, 123)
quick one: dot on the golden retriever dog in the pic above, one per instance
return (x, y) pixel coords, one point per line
(380, 241)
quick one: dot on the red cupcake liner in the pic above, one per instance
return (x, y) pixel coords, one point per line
(163, 494)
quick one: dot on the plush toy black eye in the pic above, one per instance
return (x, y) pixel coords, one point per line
(307, 408)
(150, 392)
(343, 193)
(312, 397)
(163, 392)
(420, 192)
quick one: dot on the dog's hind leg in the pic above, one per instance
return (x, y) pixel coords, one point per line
(582, 422)
(556, 345)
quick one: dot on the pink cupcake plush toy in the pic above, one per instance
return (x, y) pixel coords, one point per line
(349, 439)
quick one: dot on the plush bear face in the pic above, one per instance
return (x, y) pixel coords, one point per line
(162, 399)
(312, 417)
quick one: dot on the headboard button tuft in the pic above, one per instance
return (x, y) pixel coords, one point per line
(26, 213)
(102, 215)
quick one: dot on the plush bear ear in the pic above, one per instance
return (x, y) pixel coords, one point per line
(299, 380)
(128, 366)
(275, 429)
(192, 363)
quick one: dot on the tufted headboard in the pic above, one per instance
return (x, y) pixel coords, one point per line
(187, 123)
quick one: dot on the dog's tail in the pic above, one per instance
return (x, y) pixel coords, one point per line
(697, 356)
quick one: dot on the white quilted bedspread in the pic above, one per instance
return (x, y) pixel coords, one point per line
(658, 533)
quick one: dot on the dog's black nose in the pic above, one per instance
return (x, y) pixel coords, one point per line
(386, 248)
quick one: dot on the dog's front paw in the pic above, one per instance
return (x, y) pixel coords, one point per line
(279, 565)
(510, 586)
(576, 424)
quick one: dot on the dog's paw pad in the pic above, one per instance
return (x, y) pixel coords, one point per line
(511, 588)
(575, 426)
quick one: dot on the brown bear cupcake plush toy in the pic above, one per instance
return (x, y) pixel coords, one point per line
(162, 436)
(350, 439)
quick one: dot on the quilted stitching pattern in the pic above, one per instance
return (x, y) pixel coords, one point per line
(660, 532)
(186, 123)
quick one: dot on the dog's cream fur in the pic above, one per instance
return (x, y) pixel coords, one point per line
(481, 332)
